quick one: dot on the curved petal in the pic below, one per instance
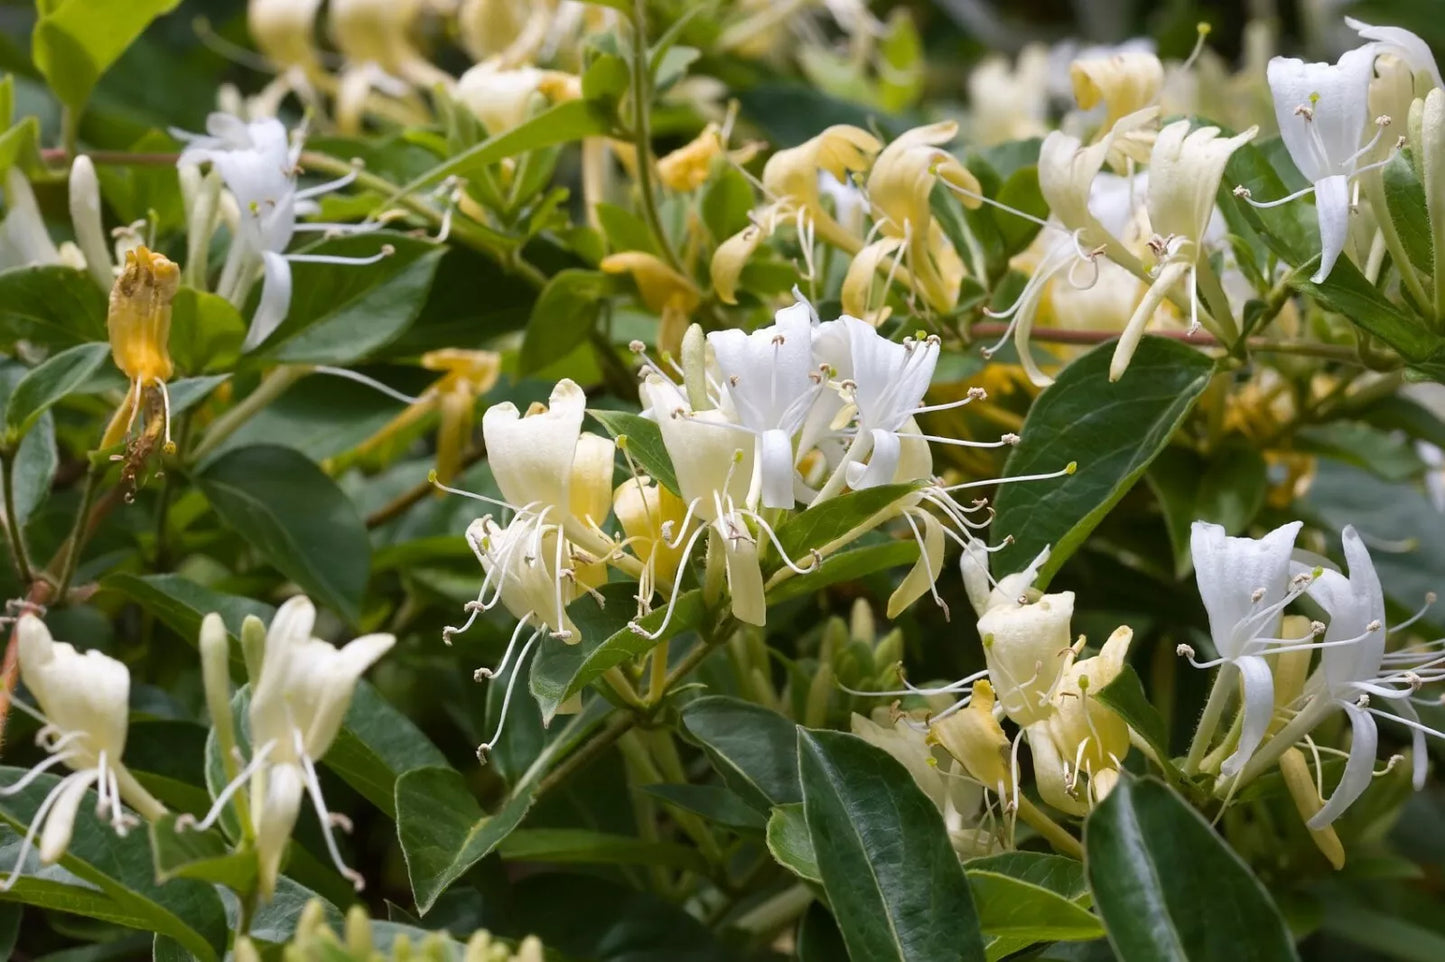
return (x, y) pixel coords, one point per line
(1332, 207)
(1258, 684)
(925, 570)
(1405, 44)
(60, 822)
(882, 466)
(1359, 767)
(745, 579)
(275, 299)
(775, 465)
(531, 457)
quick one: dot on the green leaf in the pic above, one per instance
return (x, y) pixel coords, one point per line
(753, 748)
(1125, 695)
(713, 802)
(206, 332)
(821, 524)
(376, 746)
(47, 383)
(726, 202)
(443, 831)
(790, 843)
(1228, 489)
(341, 313)
(181, 604)
(1347, 292)
(109, 876)
(1021, 192)
(207, 856)
(892, 878)
(1168, 888)
(1405, 198)
(55, 307)
(585, 846)
(1290, 230)
(818, 937)
(1013, 908)
(297, 518)
(624, 230)
(75, 41)
(1111, 430)
(1384, 455)
(644, 444)
(564, 123)
(847, 565)
(21, 143)
(560, 670)
(563, 317)
(36, 461)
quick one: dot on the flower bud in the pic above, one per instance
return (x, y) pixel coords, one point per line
(85, 217)
(1307, 802)
(253, 645)
(358, 932)
(216, 680)
(1432, 156)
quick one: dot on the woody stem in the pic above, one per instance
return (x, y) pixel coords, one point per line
(12, 518)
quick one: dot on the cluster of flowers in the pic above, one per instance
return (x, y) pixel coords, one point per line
(758, 424)
(1036, 680)
(301, 688)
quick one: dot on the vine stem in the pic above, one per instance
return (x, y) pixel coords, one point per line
(272, 386)
(12, 520)
(642, 135)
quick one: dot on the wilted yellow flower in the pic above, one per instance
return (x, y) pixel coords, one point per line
(139, 323)
(1090, 736)
(731, 257)
(792, 176)
(663, 290)
(976, 739)
(466, 376)
(651, 517)
(687, 167)
(1123, 82)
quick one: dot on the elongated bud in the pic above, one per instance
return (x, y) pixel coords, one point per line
(358, 932)
(1301, 785)
(312, 921)
(479, 947)
(139, 320)
(820, 693)
(530, 950)
(85, 216)
(253, 645)
(245, 950)
(1432, 156)
(860, 622)
(216, 679)
(203, 205)
(694, 368)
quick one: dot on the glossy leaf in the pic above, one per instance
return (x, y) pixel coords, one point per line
(47, 383)
(378, 744)
(847, 565)
(57, 307)
(1013, 908)
(341, 313)
(1111, 430)
(563, 316)
(206, 332)
(207, 856)
(821, 524)
(1405, 198)
(644, 444)
(75, 41)
(584, 846)
(713, 802)
(36, 461)
(1125, 695)
(753, 748)
(790, 843)
(120, 869)
(895, 885)
(1169, 889)
(296, 517)
(443, 831)
(1227, 489)
(181, 603)
(1346, 291)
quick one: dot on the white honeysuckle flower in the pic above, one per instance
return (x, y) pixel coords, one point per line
(1322, 110)
(1009, 102)
(772, 382)
(24, 241)
(1185, 168)
(258, 162)
(84, 200)
(1245, 585)
(503, 99)
(1025, 646)
(84, 702)
(1399, 42)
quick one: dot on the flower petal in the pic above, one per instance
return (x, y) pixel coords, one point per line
(1359, 767)
(1258, 684)
(1332, 207)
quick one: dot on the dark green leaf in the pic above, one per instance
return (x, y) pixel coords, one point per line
(1012, 908)
(75, 41)
(442, 830)
(644, 444)
(120, 871)
(892, 878)
(1169, 889)
(818, 937)
(181, 603)
(847, 565)
(49, 382)
(341, 313)
(1291, 230)
(790, 843)
(1383, 455)
(580, 845)
(207, 856)
(56, 307)
(726, 202)
(821, 524)
(378, 744)
(1227, 489)
(752, 748)
(713, 802)
(1021, 192)
(1125, 695)
(296, 517)
(206, 332)
(36, 461)
(1347, 292)
(1111, 430)
(563, 317)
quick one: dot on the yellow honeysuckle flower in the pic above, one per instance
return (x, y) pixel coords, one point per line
(1123, 82)
(974, 737)
(139, 323)
(505, 98)
(792, 175)
(651, 517)
(687, 168)
(663, 290)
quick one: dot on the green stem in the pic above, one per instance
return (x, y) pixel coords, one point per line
(1209, 721)
(642, 134)
(12, 520)
(776, 912)
(621, 723)
(78, 532)
(272, 386)
(1052, 832)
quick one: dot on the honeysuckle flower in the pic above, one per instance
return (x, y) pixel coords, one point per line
(1090, 738)
(687, 168)
(1124, 81)
(1009, 102)
(84, 199)
(771, 381)
(899, 189)
(731, 256)
(1245, 585)
(84, 704)
(285, 33)
(663, 290)
(1322, 110)
(792, 175)
(298, 702)
(373, 36)
(975, 738)
(258, 163)
(1399, 42)
(1025, 646)
(139, 324)
(1184, 171)
(504, 98)
(24, 241)
(653, 519)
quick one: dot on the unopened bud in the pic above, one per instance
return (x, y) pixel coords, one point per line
(253, 646)
(216, 679)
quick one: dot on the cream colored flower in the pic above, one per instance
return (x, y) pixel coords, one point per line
(792, 175)
(1009, 103)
